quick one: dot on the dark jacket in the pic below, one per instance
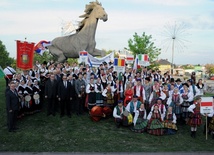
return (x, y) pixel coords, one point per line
(12, 101)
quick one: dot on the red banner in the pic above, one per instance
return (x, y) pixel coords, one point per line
(25, 53)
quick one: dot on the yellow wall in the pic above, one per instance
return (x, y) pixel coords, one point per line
(164, 68)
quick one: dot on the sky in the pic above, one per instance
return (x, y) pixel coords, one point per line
(192, 20)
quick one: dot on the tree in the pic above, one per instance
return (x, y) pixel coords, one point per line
(209, 69)
(45, 57)
(144, 45)
(5, 59)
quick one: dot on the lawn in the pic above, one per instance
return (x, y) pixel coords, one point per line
(39, 133)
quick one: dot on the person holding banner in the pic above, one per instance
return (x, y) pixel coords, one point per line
(195, 118)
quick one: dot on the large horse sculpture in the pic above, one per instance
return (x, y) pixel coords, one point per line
(84, 38)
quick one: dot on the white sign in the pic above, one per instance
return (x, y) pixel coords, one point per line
(119, 69)
(206, 105)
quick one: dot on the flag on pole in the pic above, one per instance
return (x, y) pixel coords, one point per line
(25, 51)
(119, 62)
(1, 73)
(143, 60)
(89, 62)
(119, 65)
(135, 63)
(40, 48)
(143, 57)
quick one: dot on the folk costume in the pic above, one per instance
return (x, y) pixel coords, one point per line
(108, 96)
(175, 102)
(128, 96)
(133, 106)
(90, 90)
(187, 98)
(99, 97)
(155, 126)
(169, 123)
(140, 121)
(118, 114)
(195, 118)
(211, 124)
(36, 97)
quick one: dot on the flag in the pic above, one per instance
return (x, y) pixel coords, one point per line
(25, 51)
(119, 62)
(143, 57)
(83, 53)
(40, 48)
(97, 61)
(89, 62)
(135, 63)
(1, 73)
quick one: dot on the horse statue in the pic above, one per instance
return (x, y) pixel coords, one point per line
(84, 39)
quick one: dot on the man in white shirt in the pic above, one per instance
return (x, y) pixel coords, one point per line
(9, 72)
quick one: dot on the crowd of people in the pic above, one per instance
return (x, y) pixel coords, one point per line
(145, 100)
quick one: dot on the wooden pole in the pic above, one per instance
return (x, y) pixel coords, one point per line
(206, 127)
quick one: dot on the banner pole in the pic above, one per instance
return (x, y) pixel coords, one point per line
(206, 127)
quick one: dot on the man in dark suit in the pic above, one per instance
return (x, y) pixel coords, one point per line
(51, 94)
(71, 79)
(12, 103)
(65, 96)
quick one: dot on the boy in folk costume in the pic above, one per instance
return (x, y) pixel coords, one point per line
(134, 105)
(99, 90)
(195, 119)
(139, 91)
(118, 113)
(108, 94)
(175, 103)
(91, 94)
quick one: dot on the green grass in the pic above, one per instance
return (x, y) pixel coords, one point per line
(39, 133)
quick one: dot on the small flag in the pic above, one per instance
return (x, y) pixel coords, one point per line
(40, 48)
(1, 73)
(143, 57)
(119, 62)
(83, 53)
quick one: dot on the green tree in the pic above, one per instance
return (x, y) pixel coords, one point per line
(144, 45)
(45, 57)
(4, 57)
(209, 69)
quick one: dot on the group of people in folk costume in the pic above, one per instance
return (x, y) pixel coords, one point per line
(150, 101)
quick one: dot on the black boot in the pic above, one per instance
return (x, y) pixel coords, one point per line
(192, 132)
